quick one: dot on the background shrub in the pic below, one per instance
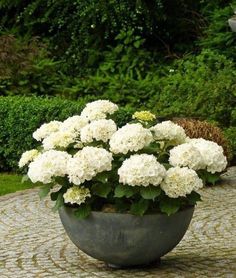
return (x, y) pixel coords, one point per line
(217, 35)
(26, 68)
(79, 31)
(200, 86)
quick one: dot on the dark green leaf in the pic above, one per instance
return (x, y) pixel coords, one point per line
(170, 206)
(54, 195)
(59, 202)
(121, 205)
(83, 211)
(102, 177)
(101, 189)
(166, 165)
(150, 192)
(193, 198)
(124, 191)
(140, 207)
(44, 190)
(62, 181)
(208, 178)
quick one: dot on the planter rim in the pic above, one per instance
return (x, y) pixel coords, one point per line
(94, 212)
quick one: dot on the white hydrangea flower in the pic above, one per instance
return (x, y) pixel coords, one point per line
(212, 155)
(179, 182)
(27, 157)
(98, 109)
(169, 131)
(100, 130)
(141, 170)
(186, 155)
(74, 124)
(76, 195)
(48, 165)
(59, 139)
(87, 163)
(131, 137)
(46, 129)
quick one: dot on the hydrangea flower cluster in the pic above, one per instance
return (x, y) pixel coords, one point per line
(179, 182)
(87, 163)
(142, 164)
(141, 170)
(59, 139)
(76, 195)
(144, 116)
(46, 129)
(99, 130)
(27, 157)
(48, 165)
(130, 138)
(199, 154)
(169, 131)
(98, 110)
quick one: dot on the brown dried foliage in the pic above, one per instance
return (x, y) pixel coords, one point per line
(16, 56)
(202, 129)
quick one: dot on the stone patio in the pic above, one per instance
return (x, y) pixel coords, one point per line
(34, 244)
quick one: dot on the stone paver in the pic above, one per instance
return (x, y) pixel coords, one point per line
(34, 244)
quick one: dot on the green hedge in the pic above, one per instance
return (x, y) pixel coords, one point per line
(21, 116)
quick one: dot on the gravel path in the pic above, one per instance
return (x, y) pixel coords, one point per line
(34, 244)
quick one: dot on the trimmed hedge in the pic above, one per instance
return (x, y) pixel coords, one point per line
(21, 116)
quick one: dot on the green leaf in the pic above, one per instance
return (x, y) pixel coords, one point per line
(44, 190)
(59, 202)
(137, 44)
(208, 178)
(150, 192)
(121, 205)
(140, 207)
(101, 189)
(169, 206)
(193, 198)
(54, 195)
(102, 177)
(124, 191)
(166, 165)
(212, 178)
(83, 211)
(62, 181)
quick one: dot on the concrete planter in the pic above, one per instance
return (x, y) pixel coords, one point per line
(125, 240)
(232, 23)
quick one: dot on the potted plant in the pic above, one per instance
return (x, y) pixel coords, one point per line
(125, 195)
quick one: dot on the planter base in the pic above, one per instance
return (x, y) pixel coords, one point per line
(149, 265)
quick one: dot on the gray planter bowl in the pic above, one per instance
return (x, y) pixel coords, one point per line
(125, 240)
(232, 23)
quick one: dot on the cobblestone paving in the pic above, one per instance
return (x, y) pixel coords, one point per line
(34, 244)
